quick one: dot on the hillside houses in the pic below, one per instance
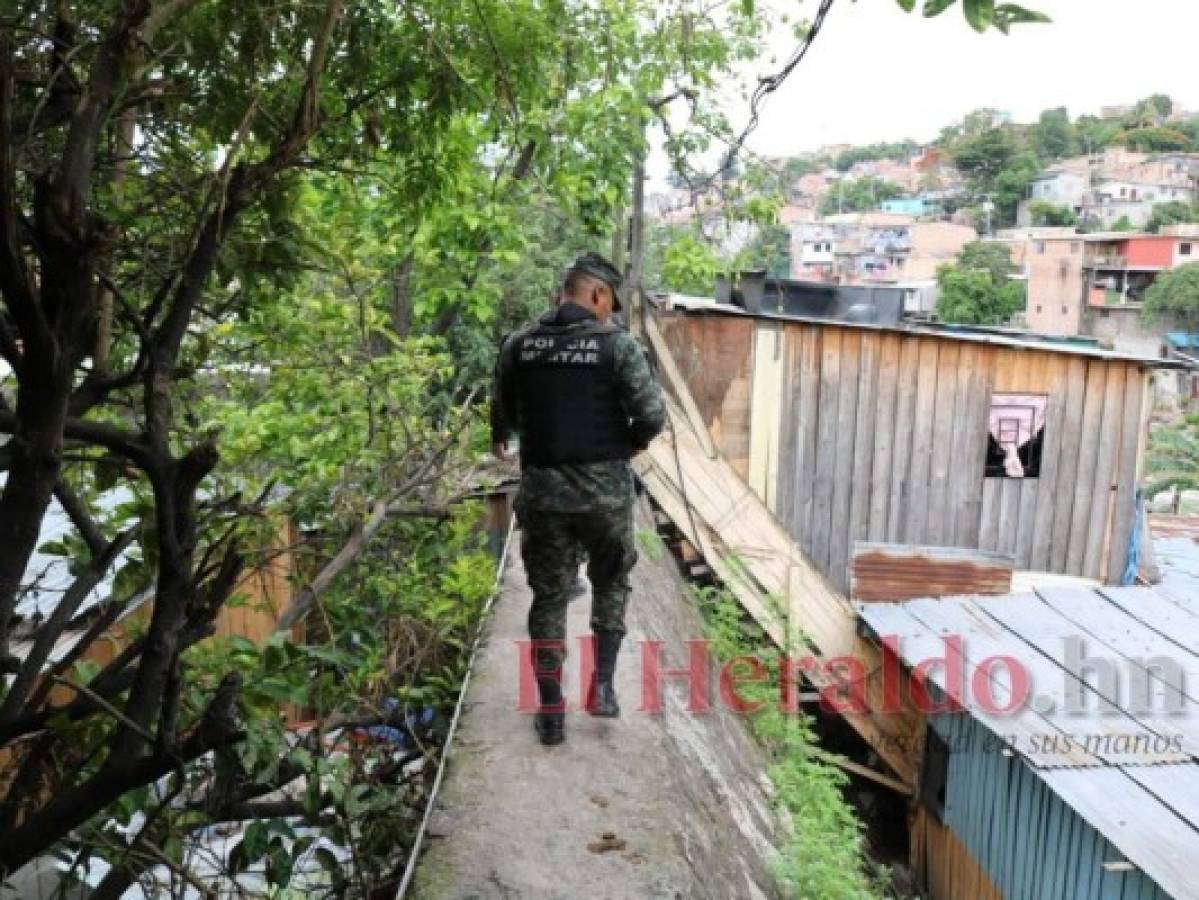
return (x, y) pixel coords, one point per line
(878, 248)
(1116, 185)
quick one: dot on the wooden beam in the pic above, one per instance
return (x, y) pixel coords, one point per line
(874, 775)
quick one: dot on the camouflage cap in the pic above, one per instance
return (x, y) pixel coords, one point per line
(600, 267)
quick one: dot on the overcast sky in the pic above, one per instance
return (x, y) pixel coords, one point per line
(876, 73)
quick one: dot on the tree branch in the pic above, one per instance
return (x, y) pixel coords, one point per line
(108, 614)
(68, 808)
(360, 537)
(107, 76)
(81, 518)
(48, 634)
(101, 434)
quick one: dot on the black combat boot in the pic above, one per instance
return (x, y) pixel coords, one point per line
(550, 720)
(602, 699)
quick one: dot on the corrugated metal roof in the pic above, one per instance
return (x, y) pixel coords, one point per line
(1050, 635)
(1145, 825)
(1002, 337)
(1129, 762)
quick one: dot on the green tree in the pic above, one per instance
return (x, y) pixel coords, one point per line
(1172, 213)
(1095, 134)
(1152, 139)
(992, 257)
(1054, 136)
(977, 289)
(1050, 214)
(770, 249)
(796, 167)
(1174, 296)
(689, 266)
(858, 194)
(984, 155)
(1172, 462)
(1123, 224)
(899, 150)
(1152, 110)
(1009, 186)
(1190, 127)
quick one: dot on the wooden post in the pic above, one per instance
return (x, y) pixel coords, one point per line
(636, 300)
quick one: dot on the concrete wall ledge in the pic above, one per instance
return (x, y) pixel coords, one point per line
(685, 792)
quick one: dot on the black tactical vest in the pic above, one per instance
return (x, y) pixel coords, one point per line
(566, 394)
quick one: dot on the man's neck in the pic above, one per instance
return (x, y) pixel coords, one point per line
(572, 309)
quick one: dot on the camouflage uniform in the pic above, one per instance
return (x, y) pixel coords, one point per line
(571, 509)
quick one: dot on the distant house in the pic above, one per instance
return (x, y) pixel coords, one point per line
(1051, 260)
(1115, 199)
(1094, 284)
(1061, 187)
(909, 206)
(1119, 269)
(812, 251)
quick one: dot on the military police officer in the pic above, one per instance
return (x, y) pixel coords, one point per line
(580, 392)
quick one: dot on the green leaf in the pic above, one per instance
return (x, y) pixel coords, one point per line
(747, 7)
(251, 848)
(1012, 13)
(979, 13)
(907, 5)
(327, 859)
(936, 7)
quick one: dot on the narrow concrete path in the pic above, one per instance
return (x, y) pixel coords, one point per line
(669, 805)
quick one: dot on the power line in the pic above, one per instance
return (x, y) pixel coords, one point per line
(767, 85)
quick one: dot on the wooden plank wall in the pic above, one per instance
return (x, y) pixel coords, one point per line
(859, 434)
(266, 592)
(943, 866)
(716, 357)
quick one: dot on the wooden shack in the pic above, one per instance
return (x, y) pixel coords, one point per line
(852, 432)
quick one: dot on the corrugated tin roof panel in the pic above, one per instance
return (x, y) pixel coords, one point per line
(1068, 640)
(1143, 825)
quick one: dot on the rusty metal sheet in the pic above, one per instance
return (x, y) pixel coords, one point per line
(891, 572)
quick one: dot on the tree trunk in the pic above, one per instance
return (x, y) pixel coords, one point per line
(36, 464)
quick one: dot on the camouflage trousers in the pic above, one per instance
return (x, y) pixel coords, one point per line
(552, 545)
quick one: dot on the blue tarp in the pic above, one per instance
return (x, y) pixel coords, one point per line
(1180, 340)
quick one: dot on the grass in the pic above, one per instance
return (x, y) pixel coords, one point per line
(822, 854)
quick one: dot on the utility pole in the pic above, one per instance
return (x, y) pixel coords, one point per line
(636, 300)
